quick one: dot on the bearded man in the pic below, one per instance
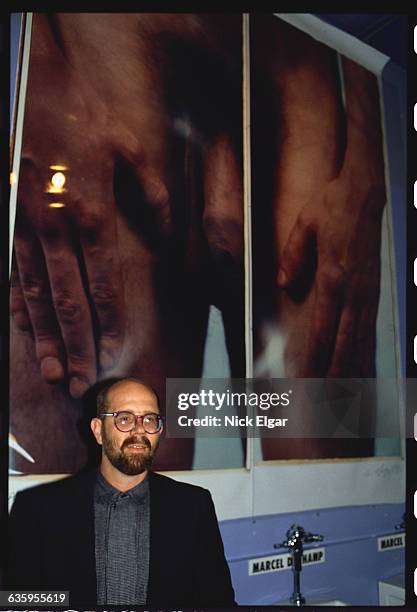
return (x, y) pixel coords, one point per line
(121, 534)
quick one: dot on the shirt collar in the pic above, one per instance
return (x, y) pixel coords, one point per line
(106, 492)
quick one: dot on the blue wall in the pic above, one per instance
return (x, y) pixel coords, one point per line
(352, 567)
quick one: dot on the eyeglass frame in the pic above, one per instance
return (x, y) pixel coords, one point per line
(137, 416)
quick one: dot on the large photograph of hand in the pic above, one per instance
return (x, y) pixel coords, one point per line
(319, 194)
(129, 220)
(133, 227)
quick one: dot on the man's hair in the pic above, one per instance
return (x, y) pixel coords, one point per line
(102, 395)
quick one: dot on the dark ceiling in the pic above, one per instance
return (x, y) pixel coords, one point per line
(385, 32)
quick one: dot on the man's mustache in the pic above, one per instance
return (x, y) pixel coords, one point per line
(142, 440)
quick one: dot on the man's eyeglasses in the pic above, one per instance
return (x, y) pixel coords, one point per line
(127, 421)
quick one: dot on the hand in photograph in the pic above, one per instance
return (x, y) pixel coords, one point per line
(93, 112)
(343, 222)
(140, 114)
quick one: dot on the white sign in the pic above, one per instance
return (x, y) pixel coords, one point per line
(396, 540)
(276, 563)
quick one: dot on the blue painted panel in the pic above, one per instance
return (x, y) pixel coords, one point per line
(353, 565)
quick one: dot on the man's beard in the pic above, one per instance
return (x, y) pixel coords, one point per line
(130, 464)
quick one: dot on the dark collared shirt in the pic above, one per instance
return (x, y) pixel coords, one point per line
(121, 543)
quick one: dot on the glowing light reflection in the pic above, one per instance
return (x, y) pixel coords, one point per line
(58, 180)
(57, 183)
